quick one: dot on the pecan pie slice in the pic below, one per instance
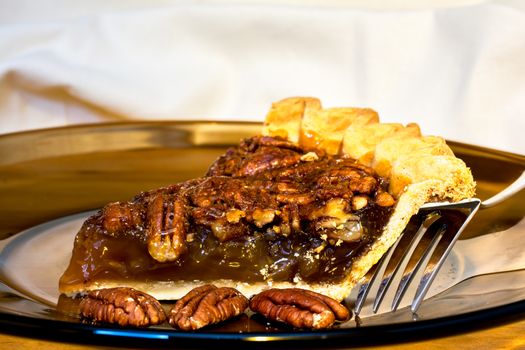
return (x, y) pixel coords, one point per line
(306, 204)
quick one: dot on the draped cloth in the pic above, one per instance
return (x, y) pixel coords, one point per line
(456, 69)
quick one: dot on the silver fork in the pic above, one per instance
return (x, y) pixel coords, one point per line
(425, 243)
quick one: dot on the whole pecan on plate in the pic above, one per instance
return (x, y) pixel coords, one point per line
(122, 305)
(299, 308)
(206, 305)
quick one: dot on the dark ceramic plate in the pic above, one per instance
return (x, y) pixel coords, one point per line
(51, 179)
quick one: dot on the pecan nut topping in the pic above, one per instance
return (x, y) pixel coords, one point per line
(299, 308)
(124, 306)
(167, 228)
(206, 305)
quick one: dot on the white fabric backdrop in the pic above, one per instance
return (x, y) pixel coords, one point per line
(458, 71)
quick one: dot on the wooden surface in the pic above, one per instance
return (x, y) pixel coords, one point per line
(502, 337)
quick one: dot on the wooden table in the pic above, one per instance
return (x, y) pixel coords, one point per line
(506, 336)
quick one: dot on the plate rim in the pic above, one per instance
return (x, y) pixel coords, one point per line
(369, 335)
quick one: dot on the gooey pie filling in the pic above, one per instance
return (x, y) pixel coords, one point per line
(266, 210)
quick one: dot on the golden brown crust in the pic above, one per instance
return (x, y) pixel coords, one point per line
(176, 289)
(324, 128)
(394, 150)
(284, 118)
(454, 180)
(360, 141)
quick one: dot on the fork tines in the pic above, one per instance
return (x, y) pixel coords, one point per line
(426, 242)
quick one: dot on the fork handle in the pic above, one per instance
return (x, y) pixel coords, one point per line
(497, 252)
(501, 251)
(511, 190)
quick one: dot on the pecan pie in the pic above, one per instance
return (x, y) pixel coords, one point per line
(313, 203)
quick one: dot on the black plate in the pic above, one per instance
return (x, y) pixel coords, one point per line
(50, 174)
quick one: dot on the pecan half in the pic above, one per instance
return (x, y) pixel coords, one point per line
(125, 306)
(207, 305)
(119, 217)
(300, 308)
(385, 199)
(167, 226)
